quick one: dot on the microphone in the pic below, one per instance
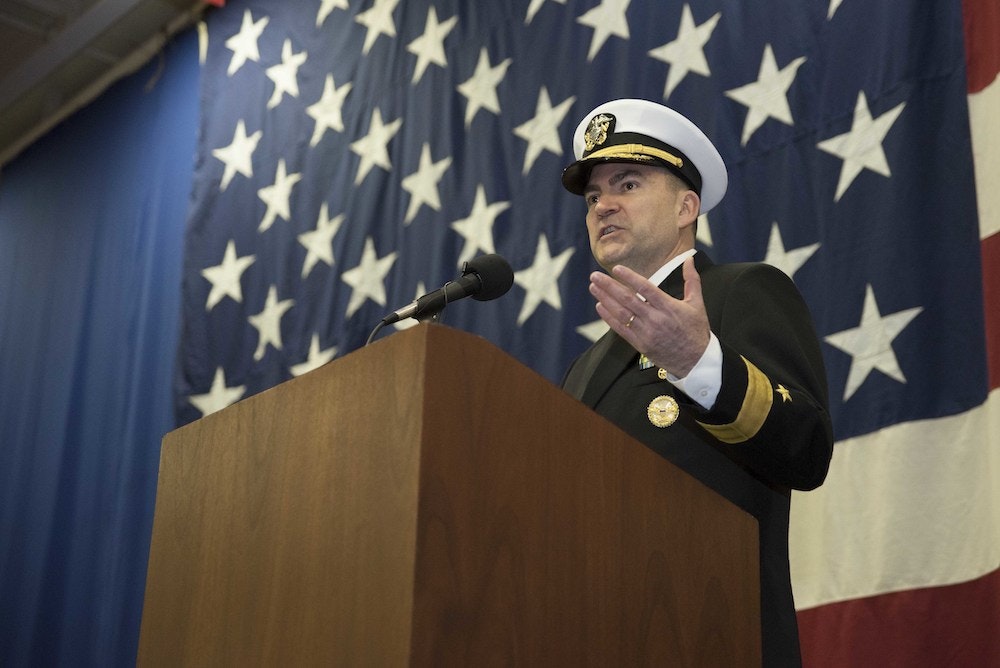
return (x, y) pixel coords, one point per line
(483, 278)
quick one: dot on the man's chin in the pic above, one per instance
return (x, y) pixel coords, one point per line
(609, 256)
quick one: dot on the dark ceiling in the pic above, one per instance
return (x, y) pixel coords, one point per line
(58, 55)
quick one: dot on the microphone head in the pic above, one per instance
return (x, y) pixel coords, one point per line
(494, 273)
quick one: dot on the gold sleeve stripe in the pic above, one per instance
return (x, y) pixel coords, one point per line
(635, 151)
(753, 412)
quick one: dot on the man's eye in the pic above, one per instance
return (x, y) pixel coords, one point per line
(591, 200)
(629, 185)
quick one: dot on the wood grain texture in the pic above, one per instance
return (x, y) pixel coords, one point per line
(430, 501)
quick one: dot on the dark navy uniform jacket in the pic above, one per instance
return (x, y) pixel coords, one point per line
(768, 432)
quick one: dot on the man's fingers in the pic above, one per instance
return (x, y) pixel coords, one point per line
(692, 282)
(629, 288)
(636, 282)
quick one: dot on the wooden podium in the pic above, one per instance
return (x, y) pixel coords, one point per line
(429, 501)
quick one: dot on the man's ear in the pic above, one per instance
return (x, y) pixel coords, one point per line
(690, 205)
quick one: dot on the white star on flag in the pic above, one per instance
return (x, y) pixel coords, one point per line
(862, 146)
(704, 231)
(276, 196)
(541, 280)
(225, 277)
(477, 228)
(768, 96)
(268, 322)
(787, 261)
(542, 131)
(244, 43)
(686, 53)
(378, 21)
(870, 343)
(238, 155)
(534, 7)
(368, 278)
(593, 330)
(315, 357)
(480, 90)
(373, 148)
(607, 19)
(326, 8)
(285, 74)
(328, 111)
(423, 183)
(218, 396)
(429, 47)
(319, 242)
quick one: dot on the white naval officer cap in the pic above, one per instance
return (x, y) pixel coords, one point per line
(644, 132)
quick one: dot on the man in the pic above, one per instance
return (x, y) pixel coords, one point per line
(719, 370)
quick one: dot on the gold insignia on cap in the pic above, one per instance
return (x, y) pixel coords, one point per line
(597, 131)
(663, 411)
(783, 391)
(637, 152)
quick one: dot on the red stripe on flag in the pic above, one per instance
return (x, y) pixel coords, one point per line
(981, 20)
(892, 629)
(991, 305)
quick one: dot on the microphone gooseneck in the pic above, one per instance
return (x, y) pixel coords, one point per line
(483, 278)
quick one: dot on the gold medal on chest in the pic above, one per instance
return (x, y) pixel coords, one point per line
(663, 411)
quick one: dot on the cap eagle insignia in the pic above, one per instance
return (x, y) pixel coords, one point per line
(597, 131)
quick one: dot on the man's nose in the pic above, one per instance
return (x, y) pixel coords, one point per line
(606, 204)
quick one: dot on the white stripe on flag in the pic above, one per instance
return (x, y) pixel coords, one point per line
(913, 505)
(983, 109)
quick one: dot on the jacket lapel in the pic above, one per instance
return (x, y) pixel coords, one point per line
(612, 357)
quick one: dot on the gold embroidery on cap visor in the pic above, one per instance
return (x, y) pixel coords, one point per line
(635, 152)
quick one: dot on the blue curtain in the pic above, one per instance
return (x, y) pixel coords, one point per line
(91, 232)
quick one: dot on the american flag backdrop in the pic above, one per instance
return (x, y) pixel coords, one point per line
(353, 153)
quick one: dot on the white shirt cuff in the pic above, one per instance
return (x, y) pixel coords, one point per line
(704, 380)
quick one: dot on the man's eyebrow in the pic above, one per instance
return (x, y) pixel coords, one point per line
(622, 175)
(615, 178)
